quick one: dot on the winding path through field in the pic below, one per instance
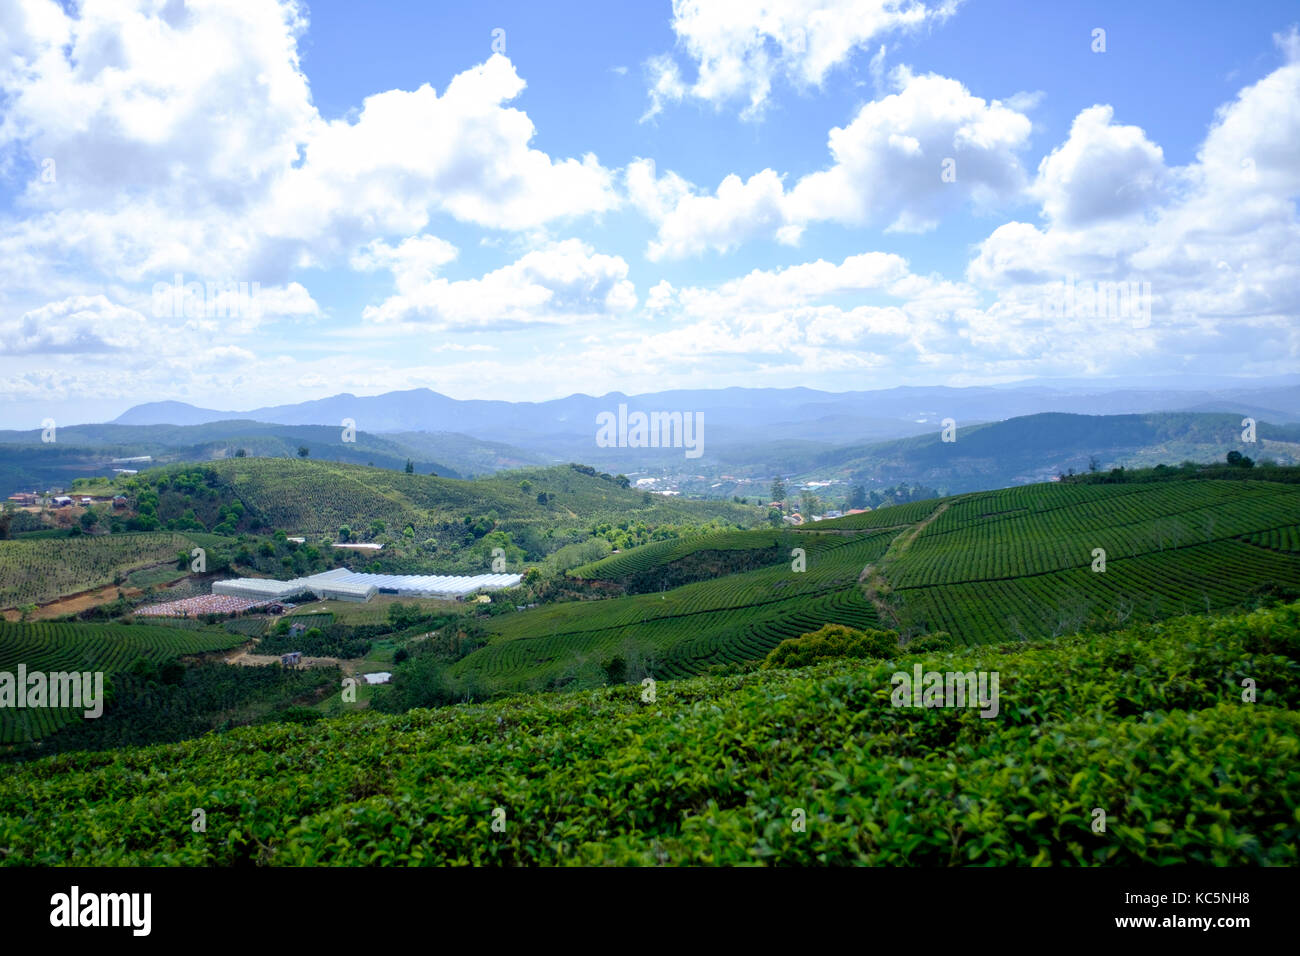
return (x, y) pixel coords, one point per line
(872, 578)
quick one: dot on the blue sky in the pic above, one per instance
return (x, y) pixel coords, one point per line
(637, 196)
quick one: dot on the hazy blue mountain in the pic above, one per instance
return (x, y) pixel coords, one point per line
(737, 414)
(27, 463)
(1038, 447)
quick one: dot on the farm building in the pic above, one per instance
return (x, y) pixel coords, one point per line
(344, 585)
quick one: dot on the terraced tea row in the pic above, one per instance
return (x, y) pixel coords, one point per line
(838, 564)
(1278, 539)
(987, 567)
(53, 648)
(668, 647)
(33, 572)
(685, 630)
(1202, 577)
(974, 540)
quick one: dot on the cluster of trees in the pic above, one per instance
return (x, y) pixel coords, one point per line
(628, 534)
(187, 500)
(274, 555)
(858, 497)
(333, 640)
(623, 481)
(420, 669)
(347, 533)
(899, 494)
(832, 641)
(1234, 465)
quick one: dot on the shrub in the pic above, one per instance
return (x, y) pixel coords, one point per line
(929, 643)
(832, 640)
(615, 670)
(298, 715)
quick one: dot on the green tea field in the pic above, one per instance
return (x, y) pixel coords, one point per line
(1018, 564)
(88, 647)
(1147, 725)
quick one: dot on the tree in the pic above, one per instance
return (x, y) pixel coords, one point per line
(778, 490)
(345, 533)
(410, 467)
(303, 451)
(774, 517)
(1093, 463)
(88, 520)
(241, 453)
(858, 497)
(810, 505)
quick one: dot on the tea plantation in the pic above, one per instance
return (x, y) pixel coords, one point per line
(685, 630)
(1017, 564)
(1051, 559)
(1150, 725)
(51, 648)
(44, 569)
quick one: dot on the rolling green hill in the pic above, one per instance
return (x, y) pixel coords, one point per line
(685, 630)
(985, 567)
(318, 497)
(1147, 724)
(454, 524)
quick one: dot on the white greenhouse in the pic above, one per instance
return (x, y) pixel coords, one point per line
(344, 585)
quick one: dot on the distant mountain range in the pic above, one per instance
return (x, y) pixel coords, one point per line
(27, 463)
(1038, 447)
(1007, 434)
(741, 414)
